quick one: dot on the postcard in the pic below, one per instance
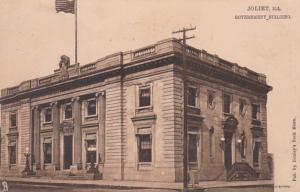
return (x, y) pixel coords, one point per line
(154, 95)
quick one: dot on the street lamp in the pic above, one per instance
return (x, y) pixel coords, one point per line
(27, 155)
(222, 143)
(241, 146)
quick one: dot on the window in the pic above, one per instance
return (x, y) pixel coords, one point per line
(210, 100)
(192, 96)
(145, 96)
(47, 115)
(192, 148)
(12, 150)
(256, 154)
(226, 103)
(47, 148)
(68, 114)
(91, 149)
(255, 111)
(13, 119)
(91, 107)
(145, 147)
(242, 107)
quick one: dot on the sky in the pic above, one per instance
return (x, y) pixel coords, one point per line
(33, 37)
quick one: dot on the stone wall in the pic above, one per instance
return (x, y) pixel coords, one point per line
(22, 136)
(212, 165)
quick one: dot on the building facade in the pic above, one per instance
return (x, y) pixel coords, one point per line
(124, 114)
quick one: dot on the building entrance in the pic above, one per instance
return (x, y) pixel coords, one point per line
(228, 151)
(68, 151)
(230, 126)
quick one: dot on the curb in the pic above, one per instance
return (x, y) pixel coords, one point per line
(61, 183)
(86, 185)
(242, 186)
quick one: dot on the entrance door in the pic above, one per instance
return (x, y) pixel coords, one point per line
(68, 151)
(228, 151)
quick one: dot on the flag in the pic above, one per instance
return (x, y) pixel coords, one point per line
(67, 6)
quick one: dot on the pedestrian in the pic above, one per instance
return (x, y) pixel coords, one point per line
(5, 186)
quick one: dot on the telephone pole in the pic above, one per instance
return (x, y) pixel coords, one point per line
(76, 42)
(185, 128)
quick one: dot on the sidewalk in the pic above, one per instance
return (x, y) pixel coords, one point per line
(135, 184)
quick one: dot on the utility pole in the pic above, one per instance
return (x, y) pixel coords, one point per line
(185, 128)
(76, 42)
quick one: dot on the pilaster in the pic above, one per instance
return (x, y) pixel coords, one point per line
(101, 131)
(77, 133)
(56, 137)
(36, 137)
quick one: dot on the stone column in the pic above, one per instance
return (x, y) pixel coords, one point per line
(101, 131)
(37, 138)
(77, 133)
(56, 137)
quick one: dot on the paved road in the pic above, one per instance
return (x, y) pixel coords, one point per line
(51, 188)
(247, 189)
(43, 188)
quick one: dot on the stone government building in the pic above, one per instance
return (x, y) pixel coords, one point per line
(124, 113)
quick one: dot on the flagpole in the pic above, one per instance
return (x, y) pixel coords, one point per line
(75, 7)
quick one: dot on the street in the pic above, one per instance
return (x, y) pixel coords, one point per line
(13, 187)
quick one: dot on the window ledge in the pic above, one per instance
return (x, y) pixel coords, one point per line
(192, 106)
(144, 117)
(13, 166)
(68, 120)
(46, 129)
(145, 165)
(13, 132)
(227, 114)
(91, 117)
(193, 110)
(144, 109)
(47, 123)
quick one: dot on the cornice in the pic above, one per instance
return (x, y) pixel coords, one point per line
(224, 75)
(123, 63)
(79, 81)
